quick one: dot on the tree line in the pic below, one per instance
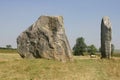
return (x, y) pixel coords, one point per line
(7, 47)
(80, 47)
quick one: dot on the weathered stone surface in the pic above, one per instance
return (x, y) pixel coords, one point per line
(106, 36)
(45, 39)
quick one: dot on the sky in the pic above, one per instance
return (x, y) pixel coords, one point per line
(82, 18)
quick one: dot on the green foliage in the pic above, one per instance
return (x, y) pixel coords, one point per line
(100, 49)
(91, 49)
(8, 46)
(79, 47)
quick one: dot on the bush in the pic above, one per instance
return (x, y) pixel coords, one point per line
(79, 47)
(91, 49)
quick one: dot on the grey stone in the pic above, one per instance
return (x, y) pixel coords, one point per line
(46, 38)
(106, 36)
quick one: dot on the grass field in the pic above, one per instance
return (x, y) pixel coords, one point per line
(8, 50)
(12, 67)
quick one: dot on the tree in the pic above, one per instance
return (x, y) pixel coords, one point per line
(91, 49)
(79, 47)
(8, 46)
(99, 49)
(112, 49)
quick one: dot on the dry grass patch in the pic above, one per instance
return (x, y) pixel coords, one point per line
(12, 67)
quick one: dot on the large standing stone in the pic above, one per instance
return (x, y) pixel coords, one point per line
(106, 36)
(45, 39)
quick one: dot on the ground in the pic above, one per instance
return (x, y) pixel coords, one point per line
(13, 67)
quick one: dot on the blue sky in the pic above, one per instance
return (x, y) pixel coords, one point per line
(82, 18)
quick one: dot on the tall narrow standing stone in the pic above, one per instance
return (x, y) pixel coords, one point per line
(46, 38)
(106, 36)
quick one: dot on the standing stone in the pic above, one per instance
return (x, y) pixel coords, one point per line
(45, 39)
(106, 36)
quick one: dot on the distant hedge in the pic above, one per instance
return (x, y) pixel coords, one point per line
(6, 50)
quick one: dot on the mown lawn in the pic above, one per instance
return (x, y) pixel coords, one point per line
(12, 67)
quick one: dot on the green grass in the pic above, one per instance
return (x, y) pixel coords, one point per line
(116, 54)
(12, 67)
(8, 51)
